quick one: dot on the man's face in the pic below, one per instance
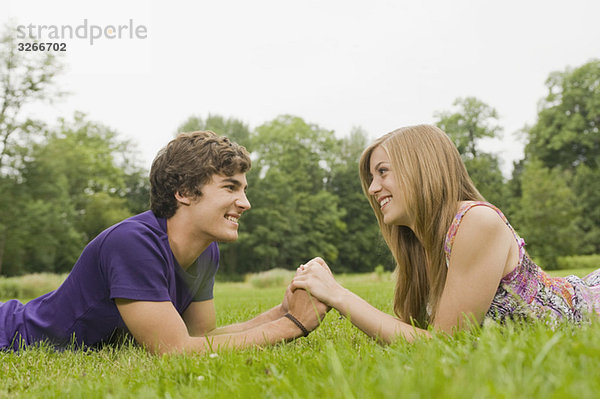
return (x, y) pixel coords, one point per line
(215, 214)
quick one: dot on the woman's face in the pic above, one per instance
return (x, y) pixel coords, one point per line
(386, 191)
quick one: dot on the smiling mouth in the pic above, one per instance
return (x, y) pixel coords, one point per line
(232, 219)
(384, 202)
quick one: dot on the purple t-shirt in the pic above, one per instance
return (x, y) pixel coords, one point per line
(130, 260)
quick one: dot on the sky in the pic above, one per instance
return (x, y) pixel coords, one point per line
(376, 64)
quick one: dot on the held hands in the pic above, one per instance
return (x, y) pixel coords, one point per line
(316, 278)
(307, 309)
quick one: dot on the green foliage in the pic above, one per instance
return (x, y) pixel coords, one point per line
(567, 136)
(513, 188)
(567, 130)
(585, 185)
(234, 129)
(361, 245)
(27, 78)
(335, 361)
(103, 210)
(74, 182)
(59, 186)
(487, 177)
(271, 278)
(294, 217)
(472, 121)
(547, 214)
(579, 262)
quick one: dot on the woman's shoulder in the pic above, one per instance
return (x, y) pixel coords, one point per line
(480, 211)
(465, 207)
(474, 211)
(478, 220)
(482, 222)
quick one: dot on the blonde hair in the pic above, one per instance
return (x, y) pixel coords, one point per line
(431, 174)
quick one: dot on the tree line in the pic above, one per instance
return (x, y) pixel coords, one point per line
(61, 185)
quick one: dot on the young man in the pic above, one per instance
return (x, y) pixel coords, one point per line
(152, 275)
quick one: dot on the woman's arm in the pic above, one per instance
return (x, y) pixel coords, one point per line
(372, 321)
(484, 250)
(316, 278)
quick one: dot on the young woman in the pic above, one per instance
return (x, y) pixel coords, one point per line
(458, 258)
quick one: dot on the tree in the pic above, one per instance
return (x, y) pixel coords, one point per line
(25, 78)
(547, 216)
(75, 181)
(92, 162)
(361, 247)
(585, 184)
(487, 176)
(293, 216)
(567, 130)
(567, 136)
(232, 128)
(472, 121)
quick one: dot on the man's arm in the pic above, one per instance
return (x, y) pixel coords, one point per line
(158, 326)
(200, 318)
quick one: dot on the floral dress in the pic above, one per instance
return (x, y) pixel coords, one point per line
(528, 292)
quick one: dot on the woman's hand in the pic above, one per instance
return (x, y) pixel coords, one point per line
(316, 278)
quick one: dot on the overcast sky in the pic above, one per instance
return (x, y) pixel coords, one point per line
(375, 64)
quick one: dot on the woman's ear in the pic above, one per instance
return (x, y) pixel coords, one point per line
(182, 199)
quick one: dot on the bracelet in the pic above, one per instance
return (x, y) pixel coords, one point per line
(305, 332)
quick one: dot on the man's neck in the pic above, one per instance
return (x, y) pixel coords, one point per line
(184, 245)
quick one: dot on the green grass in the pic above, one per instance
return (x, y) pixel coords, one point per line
(578, 272)
(335, 361)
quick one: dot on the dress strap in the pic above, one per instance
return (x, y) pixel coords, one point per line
(451, 234)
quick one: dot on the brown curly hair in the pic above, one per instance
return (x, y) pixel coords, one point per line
(187, 163)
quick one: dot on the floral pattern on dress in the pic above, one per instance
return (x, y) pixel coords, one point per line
(528, 292)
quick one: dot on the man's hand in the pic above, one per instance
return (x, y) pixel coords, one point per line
(316, 278)
(285, 303)
(307, 309)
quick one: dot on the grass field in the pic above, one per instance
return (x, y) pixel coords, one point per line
(335, 361)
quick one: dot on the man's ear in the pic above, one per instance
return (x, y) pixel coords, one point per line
(182, 199)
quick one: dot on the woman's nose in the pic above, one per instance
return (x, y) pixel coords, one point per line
(374, 187)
